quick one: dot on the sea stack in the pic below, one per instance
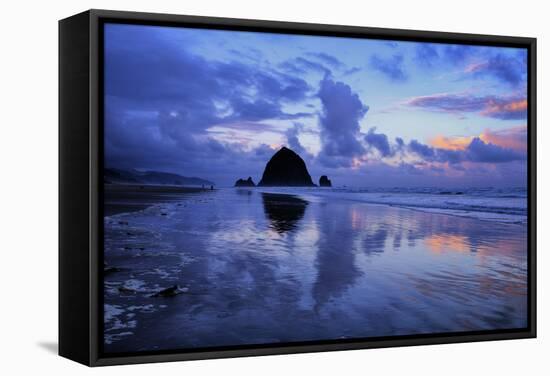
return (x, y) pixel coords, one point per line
(325, 182)
(245, 183)
(286, 169)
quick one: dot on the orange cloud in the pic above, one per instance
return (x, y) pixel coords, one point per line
(514, 138)
(451, 143)
(499, 107)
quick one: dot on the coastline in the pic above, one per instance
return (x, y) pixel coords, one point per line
(127, 198)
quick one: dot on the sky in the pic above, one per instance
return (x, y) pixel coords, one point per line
(218, 104)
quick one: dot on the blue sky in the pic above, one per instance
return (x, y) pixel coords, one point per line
(217, 104)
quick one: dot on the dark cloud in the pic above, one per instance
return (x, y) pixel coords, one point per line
(391, 67)
(150, 72)
(339, 122)
(399, 141)
(457, 53)
(483, 62)
(161, 99)
(431, 54)
(505, 108)
(133, 142)
(380, 174)
(477, 151)
(378, 141)
(425, 151)
(508, 69)
(264, 151)
(426, 54)
(258, 109)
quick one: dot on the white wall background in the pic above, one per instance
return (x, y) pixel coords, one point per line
(28, 189)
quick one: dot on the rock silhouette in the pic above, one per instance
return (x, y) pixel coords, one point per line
(245, 183)
(286, 168)
(325, 182)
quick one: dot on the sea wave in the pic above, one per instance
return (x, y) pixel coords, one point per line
(502, 205)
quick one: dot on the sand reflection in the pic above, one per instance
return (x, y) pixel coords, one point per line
(439, 243)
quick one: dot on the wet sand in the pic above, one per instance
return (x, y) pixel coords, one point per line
(124, 198)
(255, 268)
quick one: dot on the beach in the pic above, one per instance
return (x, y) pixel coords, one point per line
(125, 198)
(259, 266)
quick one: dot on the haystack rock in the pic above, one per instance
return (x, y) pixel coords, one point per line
(286, 169)
(245, 183)
(325, 182)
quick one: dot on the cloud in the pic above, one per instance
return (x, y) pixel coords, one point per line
(249, 126)
(457, 53)
(342, 110)
(450, 143)
(504, 108)
(378, 141)
(476, 151)
(514, 138)
(508, 69)
(480, 151)
(429, 55)
(161, 100)
(424, 151)
(301, 65)
(293, 140)
(426, 54)
(328, 59)
(151, 72)
(169, 109)
(391, 67)
(478, 61)
(264, 151)
(351, 71)
(399, 141)
(258, 109)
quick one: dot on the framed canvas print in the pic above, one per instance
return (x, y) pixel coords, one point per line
(240, 187)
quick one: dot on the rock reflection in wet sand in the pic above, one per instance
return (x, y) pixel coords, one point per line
(283, 211)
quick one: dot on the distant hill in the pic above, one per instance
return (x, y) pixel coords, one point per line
(118, 176)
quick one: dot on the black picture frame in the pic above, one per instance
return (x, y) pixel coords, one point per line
(80, 184)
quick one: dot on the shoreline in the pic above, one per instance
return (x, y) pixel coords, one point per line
(128, 198)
